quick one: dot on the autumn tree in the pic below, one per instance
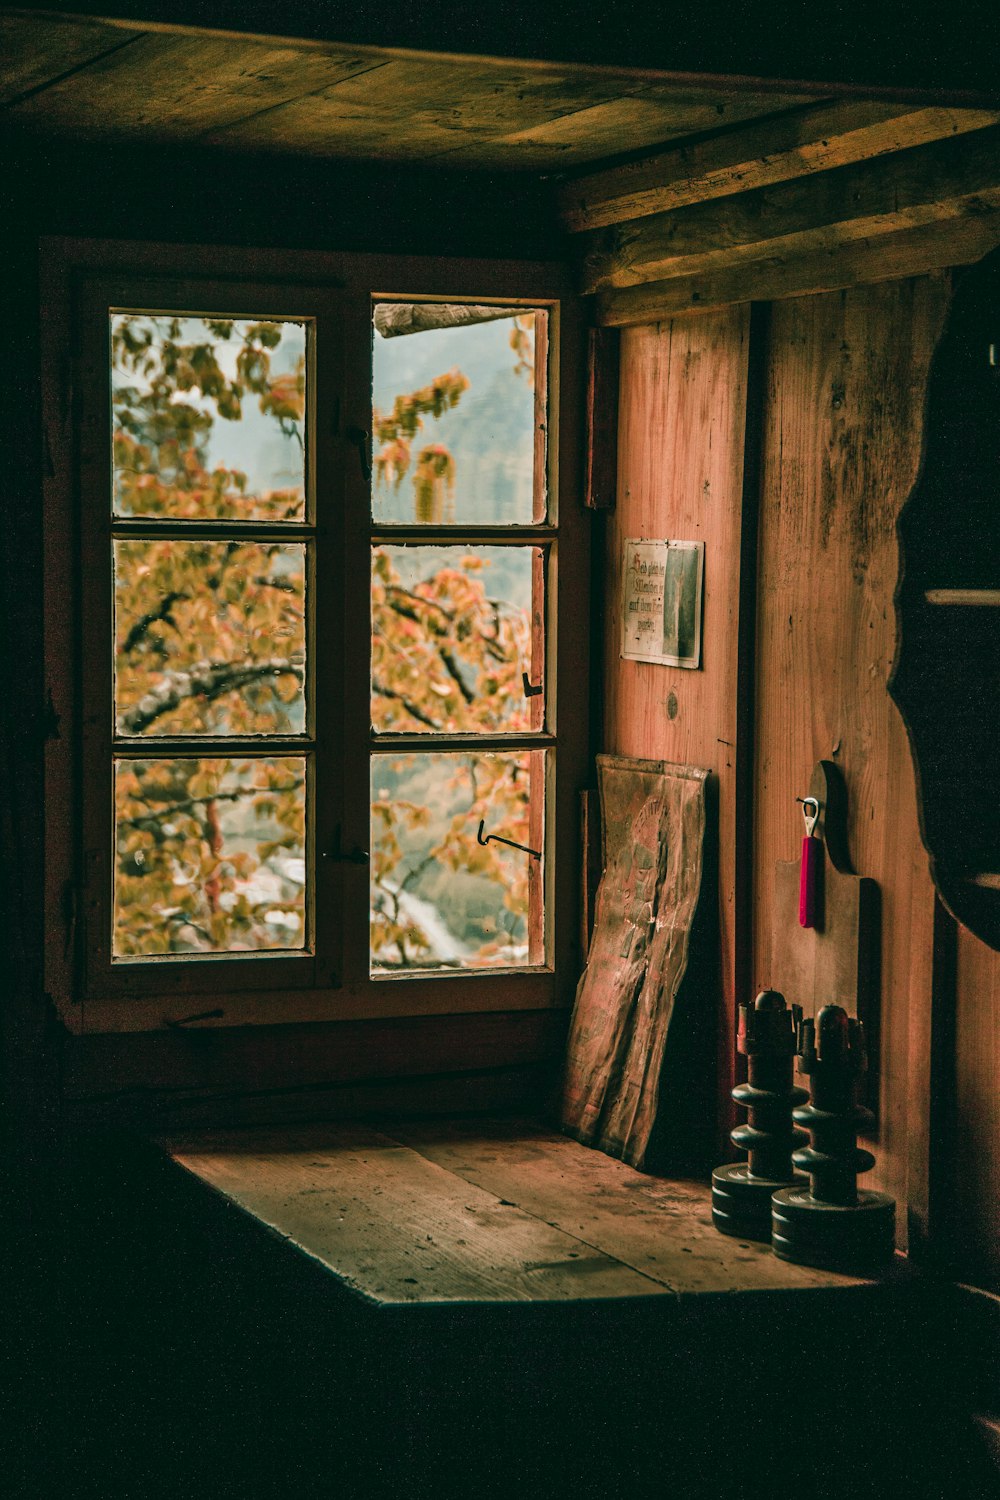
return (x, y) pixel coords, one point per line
(210, 639)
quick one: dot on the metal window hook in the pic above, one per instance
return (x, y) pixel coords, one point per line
(497, 838)
(811, 817)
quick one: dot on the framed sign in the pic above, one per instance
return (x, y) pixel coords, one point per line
(661, 602)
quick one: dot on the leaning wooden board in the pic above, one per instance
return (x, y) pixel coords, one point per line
(630, 1067)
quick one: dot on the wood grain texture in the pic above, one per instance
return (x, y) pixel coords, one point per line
(659, 1226)
(501, 1213)
(846, 387)
(905, 190)
(680, 475)
(976, 1168)
(829, 963)
(104, 82)
(180, 88)
(813, 139)
(633, 119)
(884, 257)
(34, 51)
(396, 1227)
(640, 992)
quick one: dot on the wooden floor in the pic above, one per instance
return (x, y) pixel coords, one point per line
(483, 1211)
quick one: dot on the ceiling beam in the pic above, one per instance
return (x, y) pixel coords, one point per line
(816, 138)
(907, 189)
(886, 257)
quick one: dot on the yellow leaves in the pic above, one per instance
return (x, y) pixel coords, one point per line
(212, 848)
(286, 396)
(171, 387)
(522, 341)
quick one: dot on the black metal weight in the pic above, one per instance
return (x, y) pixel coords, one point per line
(832, 1223)
(741, 1192)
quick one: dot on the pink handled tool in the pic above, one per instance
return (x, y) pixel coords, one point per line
(810, 867)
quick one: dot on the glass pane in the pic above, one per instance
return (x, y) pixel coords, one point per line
(208, 417)
(454, 631)
(210, 856)
(209, 637)
(454, 416)
(440, 898)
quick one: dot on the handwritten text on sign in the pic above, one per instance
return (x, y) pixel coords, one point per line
(661, 602)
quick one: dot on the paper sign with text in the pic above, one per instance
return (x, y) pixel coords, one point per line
(661, 602)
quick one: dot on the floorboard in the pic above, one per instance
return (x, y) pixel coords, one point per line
(488, 1212)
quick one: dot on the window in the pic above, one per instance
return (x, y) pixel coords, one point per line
(318, 573)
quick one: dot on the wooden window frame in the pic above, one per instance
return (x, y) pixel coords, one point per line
(76, 278)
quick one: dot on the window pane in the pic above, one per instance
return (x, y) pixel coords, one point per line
(209, 637)
(454, 416)
(440, 899)
(210, 855)
(454, 631)
(208, 417)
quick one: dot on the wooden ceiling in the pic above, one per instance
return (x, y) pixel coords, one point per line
(106, 81)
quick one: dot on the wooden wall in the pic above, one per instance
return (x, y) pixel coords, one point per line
(683, 392)
(847, 373)
(840, 430)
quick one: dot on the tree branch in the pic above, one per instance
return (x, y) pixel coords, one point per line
(411, 708)
(490, 645)
(184, 804)
(208, 680)
(162, 612)
(454, 672)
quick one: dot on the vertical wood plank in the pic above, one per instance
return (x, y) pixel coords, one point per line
(603, 363)
(542, 500)
(847, 381)
(683, 391)
(974, 1171)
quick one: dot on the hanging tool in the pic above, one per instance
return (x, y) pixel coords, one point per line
(810, 868)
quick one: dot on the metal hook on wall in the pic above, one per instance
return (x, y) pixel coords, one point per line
(497, 838)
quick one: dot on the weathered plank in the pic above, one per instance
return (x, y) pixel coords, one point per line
(890, 257)
(421, 107)
(813, 139)
(396, 1227)
(661, 1227)
(909, 189)
(179, 88)
(35, 50)
(680, 474)
(636, 117)
(846, 387)
(636, 1001)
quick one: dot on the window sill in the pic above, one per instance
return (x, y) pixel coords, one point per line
(501, 1212)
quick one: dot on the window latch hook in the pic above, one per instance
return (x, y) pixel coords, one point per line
(497, 838)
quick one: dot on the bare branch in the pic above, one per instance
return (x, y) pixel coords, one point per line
(208, 680)
(454, 672)
(171, 806)
(411, 707)
(162, 612)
